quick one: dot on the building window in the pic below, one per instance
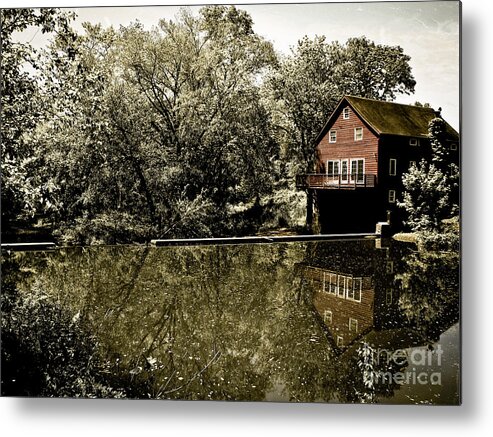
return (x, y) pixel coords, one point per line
(344, 171)
(353, 325)
(340, 341)
(325, 286)
(358, 170)
(392, 167)
(332, 136)
(358, 133)
(345, 113)
(341, 286)
(388, 296)
(328, 316)
(333, 168)
(349, 287)
(390, 266)
(413, 142)
(453, 146)
(333, 283)
(412, 164)
(354, 289)
(391, 196)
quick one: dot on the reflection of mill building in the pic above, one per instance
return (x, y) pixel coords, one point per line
(370, 315)
(354, 294)
(361, 154)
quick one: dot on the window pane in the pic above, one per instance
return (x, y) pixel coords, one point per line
(344, 170)
(357, 295)
(358, 133)
(392, 167)
(333, 283)
(391, 196)
(341, 286)
(350, 293)
(336, 168)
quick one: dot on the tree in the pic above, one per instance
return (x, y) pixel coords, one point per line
(158, 133)
(431, 190)
(374, 71)
(426, 197)
(308, 84)
(22, 109)
(198, 75)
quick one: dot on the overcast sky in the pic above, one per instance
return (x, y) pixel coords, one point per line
(427, 31)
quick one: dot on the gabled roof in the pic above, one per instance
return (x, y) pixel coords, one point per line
(387, 118)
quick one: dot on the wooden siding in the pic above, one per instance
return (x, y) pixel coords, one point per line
(346, 147)
(343, 309)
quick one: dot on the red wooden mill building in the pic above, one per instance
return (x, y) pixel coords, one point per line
(362, 152)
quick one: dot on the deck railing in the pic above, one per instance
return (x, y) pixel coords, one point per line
(322, 181)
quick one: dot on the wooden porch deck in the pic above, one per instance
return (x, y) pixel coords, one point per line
(321, 181)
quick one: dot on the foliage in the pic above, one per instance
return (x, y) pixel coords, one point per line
(431, 190)
(429, 284)
(46, 351)
(157, 133)
(366, 364)
(23, 193)
(426, 198)
(440, 242)
(194, 128)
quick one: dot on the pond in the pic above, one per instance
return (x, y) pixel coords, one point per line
(338, 321)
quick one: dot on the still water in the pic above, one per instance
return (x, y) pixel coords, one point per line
(346, 321)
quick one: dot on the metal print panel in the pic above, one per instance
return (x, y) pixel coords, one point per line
(232, 202)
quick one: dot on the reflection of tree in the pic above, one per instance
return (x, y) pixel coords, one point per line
(227, 322)
(189, 323)
(46, 350)
(429, 283)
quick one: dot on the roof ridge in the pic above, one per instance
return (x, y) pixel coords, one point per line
(386, 101)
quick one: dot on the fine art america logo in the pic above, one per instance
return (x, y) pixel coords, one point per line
(400, 366)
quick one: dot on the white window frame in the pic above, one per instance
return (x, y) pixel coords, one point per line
(349, 288)
(411, 163)
(353, 322)
(358, 181)
(356, 136)
(413, 142)
(390, 266)
(333, 285)
(334, 162)
(392, 196)
(453, 146)
(334, 132)
(345, 175)
(341, 286)
(328, 315)
(392, 167)
(339, 341)
(355, 290)
(345, 113)
(388, 296)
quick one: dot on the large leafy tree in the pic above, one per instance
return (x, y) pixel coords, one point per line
(22, 109)
(161, 132)
(198, 75)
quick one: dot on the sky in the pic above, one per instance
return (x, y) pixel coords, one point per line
(428, 31)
